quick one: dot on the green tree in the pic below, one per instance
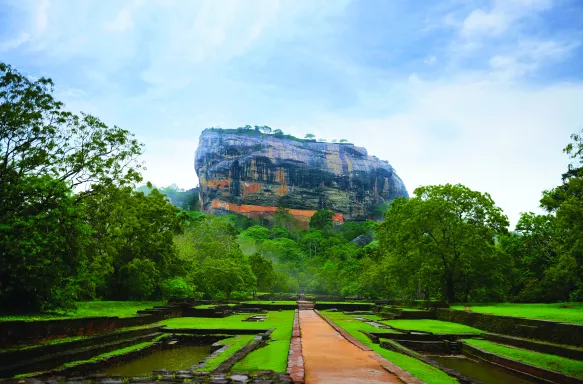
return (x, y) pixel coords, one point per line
(41, 246)
(322, 220)
(140, 278)
(446, 233)
(177, 287)
(126, 225)
(310, 136)
(224, 276)
(45, 152)
(263, 271)
(566, 202)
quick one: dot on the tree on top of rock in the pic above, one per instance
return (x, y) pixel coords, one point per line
(322, 220)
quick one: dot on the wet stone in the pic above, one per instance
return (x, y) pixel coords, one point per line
(239, 378)
(110, 381)
(183, 372)
(162, 372)
(218, 381)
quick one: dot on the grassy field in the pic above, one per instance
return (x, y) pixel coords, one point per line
(423, 371)
(274, 319)
(343, 302)
(553, 312)
(91, 309)
(543, 360)
(273, 356)
(434, 326)
(267, 302)
(235, 343)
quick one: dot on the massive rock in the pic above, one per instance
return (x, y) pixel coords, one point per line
(247, 172)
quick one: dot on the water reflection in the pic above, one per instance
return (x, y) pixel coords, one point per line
(483, 372)
(173, 359)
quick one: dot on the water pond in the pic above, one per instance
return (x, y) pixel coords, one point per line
(483, 372)
(173, 359)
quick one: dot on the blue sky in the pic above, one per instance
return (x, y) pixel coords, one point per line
(484, 93)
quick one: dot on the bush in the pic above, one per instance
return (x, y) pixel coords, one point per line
(141, 278)
(177, 288)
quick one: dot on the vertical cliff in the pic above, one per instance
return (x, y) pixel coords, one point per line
(247, 172)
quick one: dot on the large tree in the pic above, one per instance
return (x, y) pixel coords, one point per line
(45, 153)
(444, 239)
(566, 202)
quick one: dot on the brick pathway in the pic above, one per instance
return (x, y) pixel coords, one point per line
(330, 358)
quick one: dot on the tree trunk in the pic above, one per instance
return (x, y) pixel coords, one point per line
(449, 289)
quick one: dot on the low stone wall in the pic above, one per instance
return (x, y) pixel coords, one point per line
(550, 331)
(10, 357)
(517, 366)
(421, 337)
(205, 312)
(45, 363)
(215, 331)
(569, 353)
(258, 341)
(268, 307)
(344, 306)
(295, 360)
(27, 332)
(400, 313)
(18, 332)
(397, 347)
(166, 377)
(419, 304)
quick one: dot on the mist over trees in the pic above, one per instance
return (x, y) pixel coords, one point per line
(74, 226)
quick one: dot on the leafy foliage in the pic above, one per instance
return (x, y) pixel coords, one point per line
(442, 242)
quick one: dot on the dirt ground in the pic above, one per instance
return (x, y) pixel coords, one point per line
(329, 358)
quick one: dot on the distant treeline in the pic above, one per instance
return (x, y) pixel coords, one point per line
(73, 227)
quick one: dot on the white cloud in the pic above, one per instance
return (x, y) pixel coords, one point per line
(528, 56)
(15, 42)
(488, 135)
(500, 17)
(480, 21)
(122, 22)
(41, 17)
(430, 60)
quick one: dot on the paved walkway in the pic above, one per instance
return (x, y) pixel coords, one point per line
(330, 358)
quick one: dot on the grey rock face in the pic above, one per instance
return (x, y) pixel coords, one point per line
(243, 170)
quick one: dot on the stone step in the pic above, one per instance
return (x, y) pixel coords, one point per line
(53, 361)
(14, 356)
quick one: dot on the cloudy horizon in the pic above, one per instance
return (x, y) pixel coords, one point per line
(482, 92)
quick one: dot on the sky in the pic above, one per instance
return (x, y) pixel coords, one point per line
(480, 92)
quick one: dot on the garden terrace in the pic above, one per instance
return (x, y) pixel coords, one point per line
(562, 313)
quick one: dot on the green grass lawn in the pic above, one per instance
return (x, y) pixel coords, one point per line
(417, 368)
(205, 306)
(343, 302)
(273, 356)
(91, 309)
(267, 302)
(552, 312)
(235, 343)
(434, 326)
(543, 360)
